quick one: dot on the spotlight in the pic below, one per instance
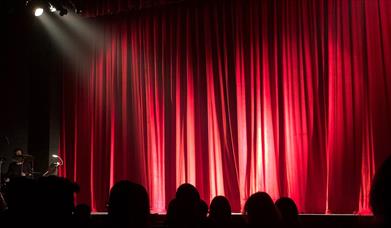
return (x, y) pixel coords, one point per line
(52, 8)
(38, 12)
(61, 6)
(38, 7)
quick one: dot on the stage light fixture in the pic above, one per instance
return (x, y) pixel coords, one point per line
(38, 7)
(62, 6)
(38, 11)
(63, 12)
(52, 8)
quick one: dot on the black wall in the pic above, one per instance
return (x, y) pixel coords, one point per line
(28, 88)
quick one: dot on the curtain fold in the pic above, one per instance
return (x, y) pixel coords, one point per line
(291, 97)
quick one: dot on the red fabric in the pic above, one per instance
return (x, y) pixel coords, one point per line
(291, 97)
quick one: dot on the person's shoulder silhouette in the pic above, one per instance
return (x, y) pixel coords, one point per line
(380, 195)
(203, 209)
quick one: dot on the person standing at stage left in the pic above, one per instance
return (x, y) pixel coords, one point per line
(19, 166)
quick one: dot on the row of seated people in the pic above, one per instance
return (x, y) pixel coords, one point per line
(129, 206)
(49, 202)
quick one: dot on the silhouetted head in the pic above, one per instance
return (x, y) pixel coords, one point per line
(187, 200)
(187, 192)
(380, 196)
(288, 210)
(260, 210)
(18, 152)
(129, 204)
(220, 209)
(185, 210)
(18, 155)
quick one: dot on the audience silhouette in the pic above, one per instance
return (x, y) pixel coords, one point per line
(82, 216)
(288, 211)
(44, 202)
(55, 201)
(203, 211)
(20, 196)
(128, 205)
(186, 209)
(220, 212)
(261, 211)
(49, 201)
(380, 195)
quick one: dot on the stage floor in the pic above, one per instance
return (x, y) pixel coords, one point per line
(307, 220)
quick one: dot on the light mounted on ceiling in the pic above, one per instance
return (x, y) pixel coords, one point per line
(39, 7)
(38, 11)
(52, 8)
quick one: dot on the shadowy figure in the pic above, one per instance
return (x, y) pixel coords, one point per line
(128, 205)
(261, 211)
(203, 212)
(380, 195)
(20, 166)
(171, 216)
(82, 216)
(220, 212)
(22, 202)
(186, 209)
(288, 211)
(56, 201)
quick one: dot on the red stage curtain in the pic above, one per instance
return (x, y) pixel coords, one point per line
(291, 97)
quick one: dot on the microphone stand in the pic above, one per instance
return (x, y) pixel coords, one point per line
(1, 174)
(53, 166)
(2, 160)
